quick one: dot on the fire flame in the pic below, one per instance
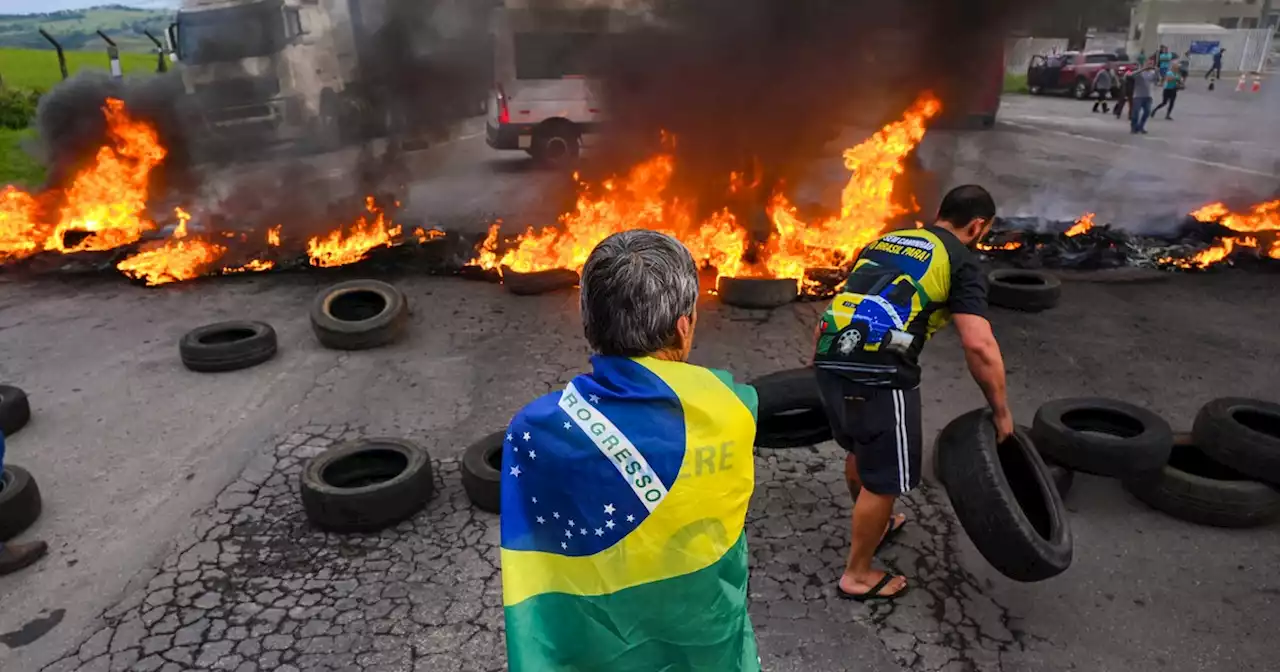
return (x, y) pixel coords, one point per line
(340, 247)
(424, 235)
(1261, 217)
(1011, 245)
(273, 235)
(1082, 225)
(639, 200)
(178, 258)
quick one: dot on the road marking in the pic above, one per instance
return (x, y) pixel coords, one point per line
(1192, 159)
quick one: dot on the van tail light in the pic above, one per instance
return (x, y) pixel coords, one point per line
(504, 111)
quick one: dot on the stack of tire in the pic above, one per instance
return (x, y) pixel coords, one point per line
(1029, 291)
(20, 501)
(1223, 473)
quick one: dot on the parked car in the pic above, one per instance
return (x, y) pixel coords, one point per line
(1072, 72)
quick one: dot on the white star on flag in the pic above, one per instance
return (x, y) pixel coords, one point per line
(572, 524)
(541, 520)
(594, 399)
(555, 514)
(515, 471)
(515, 448)
(608, 509)
(533, 454)
(631, 519)
(608, 524)
(563, 545)
(582, 531)
(568, 426)
(599, 532)
(534, 500)
(509, 437)
(526, 436)
(568, 533)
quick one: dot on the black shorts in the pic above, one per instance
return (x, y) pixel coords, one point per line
(880, 426)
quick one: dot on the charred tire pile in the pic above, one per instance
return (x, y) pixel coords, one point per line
(227, 346)
(20, 502)
(482, 473)
(760, 293)
(366, 485)
(1102, 437)
(359, 315)
(791, 414)
(538, 282)
(1005, 498)
(1029, 291)
(15, 410)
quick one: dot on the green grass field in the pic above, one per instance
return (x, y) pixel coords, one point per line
(16, 167)
(1015, 83)
(38, 69)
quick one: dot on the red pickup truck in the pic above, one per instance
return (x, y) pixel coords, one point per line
(1073, 71)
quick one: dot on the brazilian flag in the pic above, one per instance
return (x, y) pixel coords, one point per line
(623, 503)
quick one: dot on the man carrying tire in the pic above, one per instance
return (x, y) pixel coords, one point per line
(14, 557)
(624, 495)
(904, 287)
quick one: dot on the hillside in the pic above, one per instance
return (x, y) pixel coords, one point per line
(75, 28)
(38, 68)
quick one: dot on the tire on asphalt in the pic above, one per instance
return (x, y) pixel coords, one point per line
(359, 315)
(20, 502)
(366, 485)
(538, 282)
(227, 346)
(1243, 434)
(15, 410)
(1195, 488)
(790, 414)
(556, 144)
(1026, 290)
(757, 292)
(1103, 437)
(482, 473)
(1005, 498)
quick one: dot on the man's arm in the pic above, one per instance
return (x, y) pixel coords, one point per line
(986, 364)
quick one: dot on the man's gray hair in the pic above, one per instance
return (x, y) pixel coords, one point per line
(635, 286)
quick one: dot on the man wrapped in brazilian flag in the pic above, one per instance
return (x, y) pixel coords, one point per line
(624, 494)
(904, 287)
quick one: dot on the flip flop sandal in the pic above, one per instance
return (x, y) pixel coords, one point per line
(894, 528)
(874, 593)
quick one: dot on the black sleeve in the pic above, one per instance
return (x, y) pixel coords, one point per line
(968, 288)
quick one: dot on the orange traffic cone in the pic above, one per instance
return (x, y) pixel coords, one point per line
(1257, 84)
(1243, 80)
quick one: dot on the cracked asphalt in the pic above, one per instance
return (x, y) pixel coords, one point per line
(178, 541)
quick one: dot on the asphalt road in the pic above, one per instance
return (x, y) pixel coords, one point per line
(177, 541)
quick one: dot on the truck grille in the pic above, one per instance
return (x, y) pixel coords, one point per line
(225, 114)
(238, 91)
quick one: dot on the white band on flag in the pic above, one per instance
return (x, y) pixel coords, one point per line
(615, 446)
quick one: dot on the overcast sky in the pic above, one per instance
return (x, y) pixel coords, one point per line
(33, 6)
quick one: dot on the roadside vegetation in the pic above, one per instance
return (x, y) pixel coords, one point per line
(1015, 83)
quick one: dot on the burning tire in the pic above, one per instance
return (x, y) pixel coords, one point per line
(538, 282)
(20, 502)
(791, 414)
(1197, 489)
(1005, 498)
(1243, 434)
(366, 485)
(1031, 291)
(482, 473)
(1103, 437)
(227, 346)
(359, 315)
(15, 410)
(757, 292)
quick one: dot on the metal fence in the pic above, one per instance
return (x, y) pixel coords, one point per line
(1247, 50)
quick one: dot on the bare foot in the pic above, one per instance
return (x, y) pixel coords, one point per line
(856, 586)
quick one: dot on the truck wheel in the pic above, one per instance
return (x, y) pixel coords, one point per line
(556, 145)
(1081, 89)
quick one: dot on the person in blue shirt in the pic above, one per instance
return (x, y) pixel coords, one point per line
(14, 557)
(1216, 70)
(1172, 82)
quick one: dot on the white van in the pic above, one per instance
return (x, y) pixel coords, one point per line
(543, 101)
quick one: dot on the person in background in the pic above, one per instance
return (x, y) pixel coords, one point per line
(1184, 65)
(1172, 82)
(1144, 82)
(1125, 95)
(1102, 85)
(1216, 70)
(1163, 59)
(14, 557)
(917, 280)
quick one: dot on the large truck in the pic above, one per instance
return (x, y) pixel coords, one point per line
(277, 71)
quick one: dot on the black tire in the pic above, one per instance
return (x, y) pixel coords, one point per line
(1081, 89)
(227, 346)
(1103, 437)
(366, 485)
(791, 414)
(1005, 498)
(556, 145)
(1063, 478)
(757, 292)
(538, 282)
(1194, 488)
(1030, 291)
(20, 502)
(369, 314)
(482, 473)
(15, 410)
(1243, 434)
